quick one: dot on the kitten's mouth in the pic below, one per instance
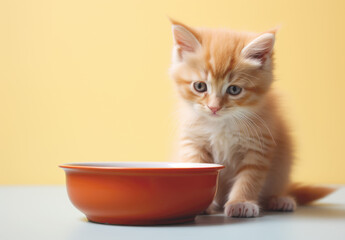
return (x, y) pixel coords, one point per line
(215, 114)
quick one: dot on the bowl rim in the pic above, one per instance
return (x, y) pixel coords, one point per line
(179, 166)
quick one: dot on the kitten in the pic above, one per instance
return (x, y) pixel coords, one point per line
(230, 116)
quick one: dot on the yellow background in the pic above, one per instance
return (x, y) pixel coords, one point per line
(87, 80)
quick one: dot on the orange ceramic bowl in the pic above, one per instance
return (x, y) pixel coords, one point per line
(141, 193)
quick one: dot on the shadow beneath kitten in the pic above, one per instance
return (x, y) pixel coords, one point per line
(315, 211)
(321, 210)
(218, 219)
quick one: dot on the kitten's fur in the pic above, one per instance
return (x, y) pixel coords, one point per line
(246, 133)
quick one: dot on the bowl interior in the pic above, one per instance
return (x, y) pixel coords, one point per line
(142, 165)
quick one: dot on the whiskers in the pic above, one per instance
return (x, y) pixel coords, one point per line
(252, 127)
(262, 121)
(250, 131)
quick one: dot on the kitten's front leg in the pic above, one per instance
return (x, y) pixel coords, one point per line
(243, 197)
(190, 151)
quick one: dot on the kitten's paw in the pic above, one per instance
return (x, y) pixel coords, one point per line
(285, 204)
(241, 209)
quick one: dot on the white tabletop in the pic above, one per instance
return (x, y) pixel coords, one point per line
(44, 212)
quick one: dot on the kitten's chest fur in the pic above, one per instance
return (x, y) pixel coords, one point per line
(225, 142)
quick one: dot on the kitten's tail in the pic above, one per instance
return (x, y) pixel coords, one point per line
(307, 194)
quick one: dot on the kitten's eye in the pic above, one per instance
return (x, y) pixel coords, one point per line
(200, 86)
(234, 90)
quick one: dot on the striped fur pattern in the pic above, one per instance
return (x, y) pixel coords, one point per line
(247, 133)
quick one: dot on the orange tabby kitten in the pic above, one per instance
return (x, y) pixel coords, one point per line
(230, 116)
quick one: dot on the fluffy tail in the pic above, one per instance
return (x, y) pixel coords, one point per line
(307, 194)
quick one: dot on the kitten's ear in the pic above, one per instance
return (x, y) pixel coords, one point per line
(185, 39)
(260, 49)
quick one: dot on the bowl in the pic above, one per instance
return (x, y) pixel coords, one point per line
(145, 193)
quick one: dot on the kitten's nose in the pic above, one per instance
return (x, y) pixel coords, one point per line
(214, 109)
